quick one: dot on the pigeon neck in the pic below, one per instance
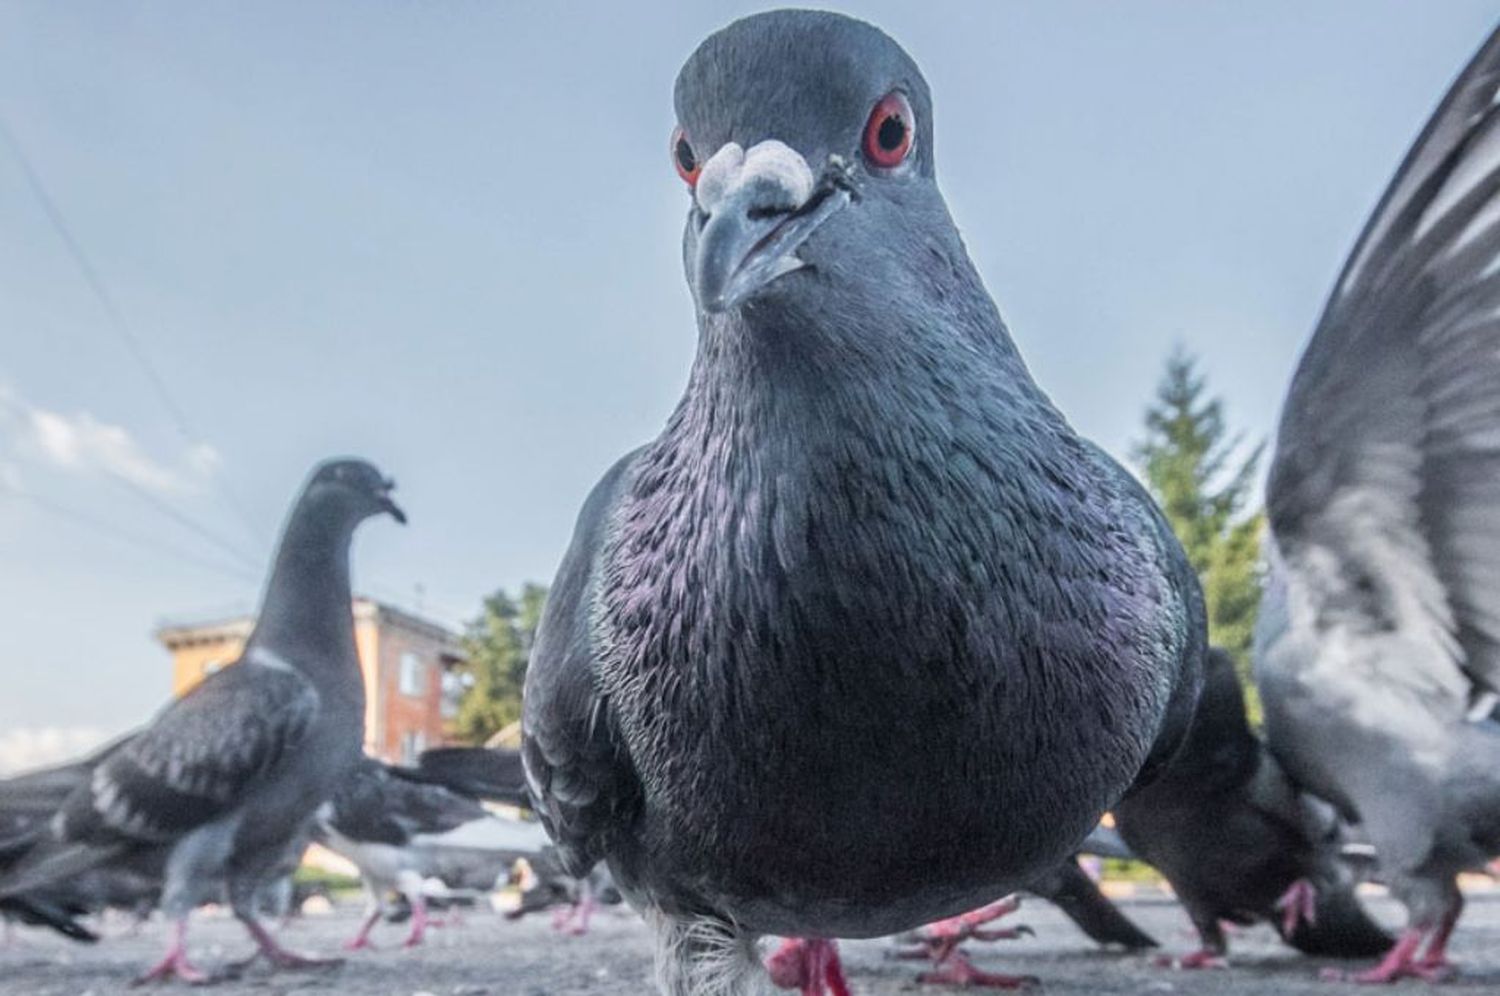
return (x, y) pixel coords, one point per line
(306, 616)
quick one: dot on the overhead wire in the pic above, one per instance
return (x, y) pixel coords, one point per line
(154, 500)
(117, 321)
(111, 529)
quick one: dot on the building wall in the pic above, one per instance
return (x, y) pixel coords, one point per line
(396, 722)
(192, 662)
(412, 717)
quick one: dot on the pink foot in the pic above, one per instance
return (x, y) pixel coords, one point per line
(1298, 905)
(280, 956)
(361, 941)
(809, 965)
(1399, 963)
(956, 970)
(1202, 958)
(175, 964)
(419, 925)
(582, 914)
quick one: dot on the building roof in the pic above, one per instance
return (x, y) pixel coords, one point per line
(222, 627)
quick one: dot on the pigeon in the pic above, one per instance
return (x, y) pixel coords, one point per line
(225, 777)
(27, 803)
(495, 774)
(1067, 886)
(1072, 890)
(490, 773)
(869, 636)
(402, 832)
(573, 900)
(1239, 843)
(1378, 651)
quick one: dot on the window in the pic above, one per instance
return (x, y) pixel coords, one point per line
(413, 680)
(412, 746)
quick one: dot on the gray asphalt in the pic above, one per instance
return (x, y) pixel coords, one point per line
(487, 955)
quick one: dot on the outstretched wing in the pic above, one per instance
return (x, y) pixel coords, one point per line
(579, 775)
(1385, 489)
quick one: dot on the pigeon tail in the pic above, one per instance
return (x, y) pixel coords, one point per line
(481, 772)
(47, 864)
(1071, 890)
(39, 913)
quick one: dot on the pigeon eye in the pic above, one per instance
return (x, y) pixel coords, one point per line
(888, 133)
(682, 157)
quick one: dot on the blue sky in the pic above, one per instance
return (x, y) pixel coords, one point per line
(445, 236)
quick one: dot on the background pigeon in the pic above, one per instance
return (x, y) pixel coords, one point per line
(865, 554)
(227, 776)
(27, 804)
(402, 832)
(1233, 836)
(1379, 661)
(491, 773)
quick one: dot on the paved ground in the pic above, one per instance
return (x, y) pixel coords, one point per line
(488, 956)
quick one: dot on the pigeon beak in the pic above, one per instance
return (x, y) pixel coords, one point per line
(759, 207)
(389, 506)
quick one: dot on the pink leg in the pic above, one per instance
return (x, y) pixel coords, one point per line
(809, 965)
(418, 921)
(1298, 905)
(1399, 963)
(1436, 956)
(562, 917)
(585, 912)
(361, 940)
(280, 956)
(957, 970)
(175, 964)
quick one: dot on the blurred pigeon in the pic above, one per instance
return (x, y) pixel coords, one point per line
(573, 900)
(402, 831)
(1238, 842)
(495, 774)
(1067, 886)
(865, 554)
(490, 773)
(227, 775)
(28, 802)
(1072, 890)
(1379, 656)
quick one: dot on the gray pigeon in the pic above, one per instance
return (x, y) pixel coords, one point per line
(227, 775)
(402, 832)
(1239, 843)
(865, 554)
(1379, 655)
(27, 804)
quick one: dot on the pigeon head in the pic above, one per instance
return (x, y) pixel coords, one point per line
(353, 490)
(805, 139)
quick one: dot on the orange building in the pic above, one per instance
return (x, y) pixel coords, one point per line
(411, 690)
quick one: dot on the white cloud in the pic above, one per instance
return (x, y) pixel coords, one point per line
(80, 443)
(42, 747)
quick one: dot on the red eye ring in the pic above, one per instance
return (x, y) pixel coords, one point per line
(684, 158)
(889, 131)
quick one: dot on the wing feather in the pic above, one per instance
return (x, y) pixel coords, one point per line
(1388, 454)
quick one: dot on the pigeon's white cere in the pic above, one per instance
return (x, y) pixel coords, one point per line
(775, 164)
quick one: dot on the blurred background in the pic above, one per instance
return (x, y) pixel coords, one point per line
(236, 239)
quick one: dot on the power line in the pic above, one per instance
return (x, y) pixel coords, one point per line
(115, 532)
(182, 519)
(133, 344)
(155, 501)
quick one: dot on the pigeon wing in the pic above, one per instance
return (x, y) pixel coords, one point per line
(1385, 487)
(199, 757)
(577, 770)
